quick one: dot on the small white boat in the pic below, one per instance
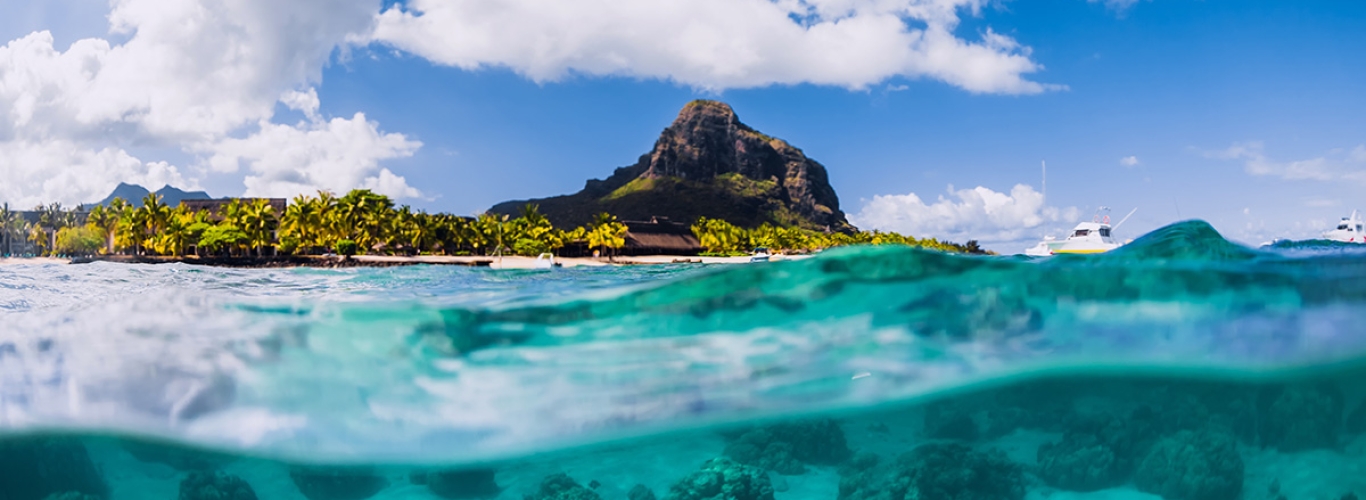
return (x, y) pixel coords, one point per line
(546, 261)
(760, 255)
(1093, 236)
(1349, 230)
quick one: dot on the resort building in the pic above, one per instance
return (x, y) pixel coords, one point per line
(660, 236)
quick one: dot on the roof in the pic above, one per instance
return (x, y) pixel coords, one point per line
(678, 242)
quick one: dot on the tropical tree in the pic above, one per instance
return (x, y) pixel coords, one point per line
(606, 234)
(78, 240)
(258, 222)
(106, 221)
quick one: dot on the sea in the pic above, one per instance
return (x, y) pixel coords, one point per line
(1181, 366)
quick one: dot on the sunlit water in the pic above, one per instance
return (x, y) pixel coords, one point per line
(1180, 366)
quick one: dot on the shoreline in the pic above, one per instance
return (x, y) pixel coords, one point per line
(318, 261)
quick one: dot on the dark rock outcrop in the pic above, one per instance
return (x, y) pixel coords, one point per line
(35, 467)
(707, 164)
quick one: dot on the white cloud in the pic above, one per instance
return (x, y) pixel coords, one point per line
(715, 44)
(1129, 161)
(336, 155)
(60, 171)
(1336, 165)
(202, 76)
(979, 213)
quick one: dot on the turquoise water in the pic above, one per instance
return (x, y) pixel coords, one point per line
(1181, 366)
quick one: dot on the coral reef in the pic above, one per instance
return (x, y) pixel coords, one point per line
(34, 467)
(1080, 462)
(1301, 418)
(460, 484)
(787, 447)
(1193, 465)
(938, 471)
(336, 483)
(723, 479)
(215, 486)
(561, 487)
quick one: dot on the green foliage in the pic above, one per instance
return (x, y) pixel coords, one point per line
(529, 247)
(81, 240)
(347, 247)
(223, 237)
(288, 245)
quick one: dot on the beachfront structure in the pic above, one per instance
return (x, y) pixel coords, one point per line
(660, 236)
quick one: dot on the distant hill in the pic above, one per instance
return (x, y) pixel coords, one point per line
(707, 164)
(133, 194)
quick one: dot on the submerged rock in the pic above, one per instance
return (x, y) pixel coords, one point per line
(1193, 465)
(787, 447)
(33, 468)
(336, 483)
(460, 484)
(640, 492)
(560, 486)
(934, 471)
(215, 486)
(1301, 418)
(723, 479)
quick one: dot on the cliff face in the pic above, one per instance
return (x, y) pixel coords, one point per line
(708, 164)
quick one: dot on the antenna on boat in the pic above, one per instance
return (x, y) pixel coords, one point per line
(1121, 221)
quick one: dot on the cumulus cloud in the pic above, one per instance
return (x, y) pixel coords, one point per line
(1129, 161)
(1336, 165)
(715, 44)
(201, 76)
(978, 214)
(60, 171)
(335, 155)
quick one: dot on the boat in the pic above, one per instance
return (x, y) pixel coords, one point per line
(1349, 230)
(546, 261)
(1094, 236)
(760, 255)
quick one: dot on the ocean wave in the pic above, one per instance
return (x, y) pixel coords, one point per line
(448, 364)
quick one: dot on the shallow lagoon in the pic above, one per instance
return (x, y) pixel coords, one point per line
(1181, 366)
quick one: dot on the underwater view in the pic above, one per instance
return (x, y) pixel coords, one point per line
(1180, 366)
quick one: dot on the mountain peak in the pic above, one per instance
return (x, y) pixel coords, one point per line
(707, 163)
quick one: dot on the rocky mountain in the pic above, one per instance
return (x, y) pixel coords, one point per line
(133, 194)
(707, 164)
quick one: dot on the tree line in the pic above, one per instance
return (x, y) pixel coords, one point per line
(719, 237)
(366, 222)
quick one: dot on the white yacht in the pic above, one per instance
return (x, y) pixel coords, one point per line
(1349, 230)
(1093, 236)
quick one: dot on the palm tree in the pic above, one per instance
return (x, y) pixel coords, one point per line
(258, 221)
(106, 221)
(9, 222)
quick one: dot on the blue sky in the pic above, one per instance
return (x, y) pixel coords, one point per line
(1245, 114)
